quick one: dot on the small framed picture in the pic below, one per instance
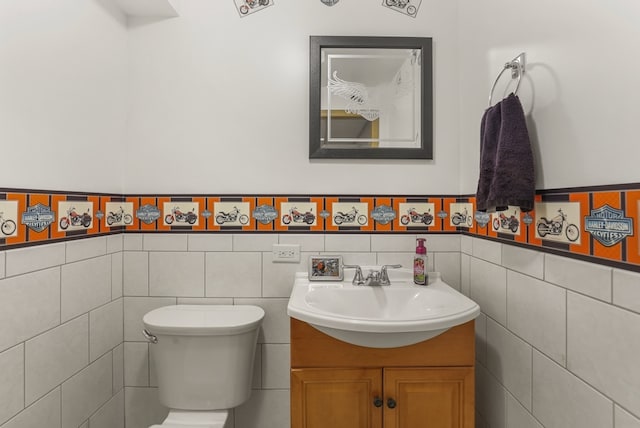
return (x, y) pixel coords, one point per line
(325, 268)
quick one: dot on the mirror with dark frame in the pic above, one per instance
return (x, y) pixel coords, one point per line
(370, 98)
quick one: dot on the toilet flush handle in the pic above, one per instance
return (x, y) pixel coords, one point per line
(150, 337)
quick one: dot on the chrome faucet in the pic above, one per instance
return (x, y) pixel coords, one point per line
(374, 278)
(358, 278)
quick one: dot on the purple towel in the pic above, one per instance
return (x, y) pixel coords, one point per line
(507, 175)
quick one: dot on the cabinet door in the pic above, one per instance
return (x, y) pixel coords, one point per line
(429, 398)
(336, 398)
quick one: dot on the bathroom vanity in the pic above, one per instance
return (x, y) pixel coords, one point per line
(340, 385)
(397, 355)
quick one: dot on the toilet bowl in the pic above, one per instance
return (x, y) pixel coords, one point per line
(203, 357)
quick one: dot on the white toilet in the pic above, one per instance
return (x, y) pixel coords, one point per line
(203, 357)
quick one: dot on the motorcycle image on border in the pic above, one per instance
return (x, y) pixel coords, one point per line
(556, 225)
(75, 219)
(413, 216)
(7, 226)
(349, 217)
(298, 217)
(503, 222)
(463, 217)
(119, 216)
(231, 217)
(176, 215)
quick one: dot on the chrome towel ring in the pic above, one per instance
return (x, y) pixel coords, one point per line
(517, 67)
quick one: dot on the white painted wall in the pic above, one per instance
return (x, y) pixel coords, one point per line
(580, 90)
(219, 103)
(62, 94)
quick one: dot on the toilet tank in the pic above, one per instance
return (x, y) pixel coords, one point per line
(203, 357)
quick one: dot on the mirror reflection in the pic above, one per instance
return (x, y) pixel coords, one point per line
(370, 97)
(368, 91)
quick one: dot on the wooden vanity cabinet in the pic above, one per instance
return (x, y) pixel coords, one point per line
(338, 385)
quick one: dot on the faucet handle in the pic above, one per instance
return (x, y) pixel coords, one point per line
(384, 277)
(358, 278)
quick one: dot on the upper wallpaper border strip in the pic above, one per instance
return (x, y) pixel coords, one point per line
(596, 224)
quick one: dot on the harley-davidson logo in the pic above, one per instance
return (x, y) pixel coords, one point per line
(383, 214)
(38, 217)
(608, 225)
(482, 218)
(265, 214)
(148, 213)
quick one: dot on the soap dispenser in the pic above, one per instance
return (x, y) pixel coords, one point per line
(420, 263)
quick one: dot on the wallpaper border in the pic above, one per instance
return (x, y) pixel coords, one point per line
(597, 224)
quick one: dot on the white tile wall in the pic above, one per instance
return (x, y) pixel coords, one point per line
(530, 324)
(136, 364)
(393, 243)
(603, 347)
(307, 243)
(11, 382)
(31, 259)
(626, 289)
(87, 391)
(135, 273)
(43, 413)
(275, 366)
(528, 262)
(111, 415)
(54, 356)
(448, 264)
(142, 408)
(509, 360)
(105, 328)
(487, 250)
(85, 249)
(118, 368)
(29, 305)
(164, 242)
(536, 311)
(2, 264)
(586, 278)
(489, 288)
(518, 416)
(562, 359)
(60, 309)
(278, 277)
(239, 269)
(491, 398)
(132, 242)
(85, 286)
(234, 274)
(115, 243)
(561, 400)
(208, 242)
(340, 244)
(265, 409)
(117, 262)
(625, 420)
(176, 274)
(254, 243)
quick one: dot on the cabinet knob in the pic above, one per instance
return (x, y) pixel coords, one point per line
(377, 401)
(391, 403)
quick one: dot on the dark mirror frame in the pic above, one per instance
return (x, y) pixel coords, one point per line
(317, 43)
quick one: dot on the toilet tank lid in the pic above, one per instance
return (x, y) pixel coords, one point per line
(203, 320)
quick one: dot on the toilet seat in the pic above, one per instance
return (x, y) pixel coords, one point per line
(194, 419)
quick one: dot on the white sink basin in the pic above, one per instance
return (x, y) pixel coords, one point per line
(389, 316)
